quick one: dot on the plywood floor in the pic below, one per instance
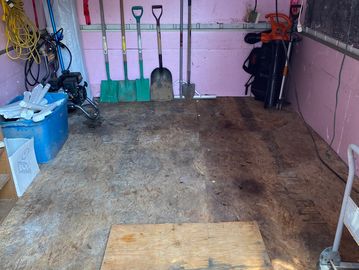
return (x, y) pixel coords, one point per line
(206, 161)
(216, 246)
(5, 208)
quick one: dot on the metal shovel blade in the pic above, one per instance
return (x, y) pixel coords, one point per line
(161, 85)
(189, 90)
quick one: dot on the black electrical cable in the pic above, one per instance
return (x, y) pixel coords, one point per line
(32, 79)
(340, 76)
(29, 65)
(337, 100)
(29, 71)
(62, 45)
(298, 104)
(255, 5)
(70, 54)
(309, 129)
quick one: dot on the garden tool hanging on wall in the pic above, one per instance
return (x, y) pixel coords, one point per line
(189, 89)
(295, 10)
(127, 91)
(161, 77)
(109, 88)
(181, 52)
(142, 84)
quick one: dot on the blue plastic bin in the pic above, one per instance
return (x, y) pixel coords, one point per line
(49, 135)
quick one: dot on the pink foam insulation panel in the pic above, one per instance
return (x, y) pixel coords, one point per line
(12, 71)
(315, 69)
(217, 56)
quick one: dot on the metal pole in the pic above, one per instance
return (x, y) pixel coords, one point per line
(285, 74)
(338, 235)
(189, 41)
(181, 51)
(52, 18)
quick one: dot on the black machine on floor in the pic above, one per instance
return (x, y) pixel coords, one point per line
(265, 64)
(70, 82)
(268, 65)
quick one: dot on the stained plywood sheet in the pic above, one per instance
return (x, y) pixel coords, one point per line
(233, 245)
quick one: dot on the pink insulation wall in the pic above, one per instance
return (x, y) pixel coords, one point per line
(12, 71)
(217, 56)
(316, 71)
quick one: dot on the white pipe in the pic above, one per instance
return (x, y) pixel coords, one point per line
(47, 111)
(10, 107)
(299, 25)
(32, 106)
(200, 97)
(33, 95)
(27, 97)
(40, 94)
(285, 71)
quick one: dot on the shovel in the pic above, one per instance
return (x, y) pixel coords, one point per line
(161, 77)
(109, 88)
(181, 52)
(189, 89)
(127, 91)
(142, 84)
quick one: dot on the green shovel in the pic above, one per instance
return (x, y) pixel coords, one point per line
(109, 88)
(142, 85)
(127, 91)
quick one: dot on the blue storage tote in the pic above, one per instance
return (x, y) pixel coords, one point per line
(49, 135)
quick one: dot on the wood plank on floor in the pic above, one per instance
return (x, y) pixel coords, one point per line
(230, 245)
(5, 208)
(4, 178)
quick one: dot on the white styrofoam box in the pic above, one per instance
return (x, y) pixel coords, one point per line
(351, 219)
(23, 162)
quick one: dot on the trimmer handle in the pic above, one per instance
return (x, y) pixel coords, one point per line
(135, 14)
(154, 14)
(286, 23)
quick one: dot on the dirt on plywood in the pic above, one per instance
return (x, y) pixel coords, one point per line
(178, 162)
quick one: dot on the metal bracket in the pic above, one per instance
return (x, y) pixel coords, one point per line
(328, 258)
(333, 43)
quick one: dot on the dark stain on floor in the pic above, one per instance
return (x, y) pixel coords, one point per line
(250, 186)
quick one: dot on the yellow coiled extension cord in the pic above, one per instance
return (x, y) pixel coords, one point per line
(20, 31)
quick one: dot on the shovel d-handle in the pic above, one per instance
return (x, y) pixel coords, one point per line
(137, 12)
(158, 27)
(157, 17)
